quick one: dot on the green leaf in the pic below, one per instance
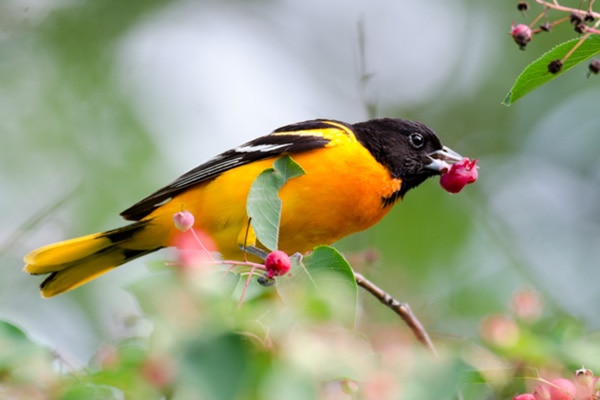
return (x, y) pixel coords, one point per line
(16, 349)
(537, 74)
(322, 285)
(217, 367)
(263, 204)
(10, 332)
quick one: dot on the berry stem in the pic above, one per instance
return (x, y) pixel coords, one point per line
(535, 21)
(556, 6)
(204, 249)
(585, 36)
(246, 284)
(560, 21)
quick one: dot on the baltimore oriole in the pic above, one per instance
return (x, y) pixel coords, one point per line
(354, 173)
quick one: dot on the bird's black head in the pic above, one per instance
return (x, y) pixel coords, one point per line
(409, 149)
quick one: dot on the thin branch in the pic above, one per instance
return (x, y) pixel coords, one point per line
(365, 76)
(555, 5)
(402, 309)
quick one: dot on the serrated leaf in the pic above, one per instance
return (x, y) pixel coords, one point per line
(537, 74)
(264, 205)
(323, 285)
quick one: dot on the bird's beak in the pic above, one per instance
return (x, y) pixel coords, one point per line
(441, 160)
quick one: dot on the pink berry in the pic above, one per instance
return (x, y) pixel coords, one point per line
(183, 220)
(541, 392)
(459, 175)
(562, 389)
(277, 263)
(194, 247)
(521, 34)
(527, 305)
(160, 372)
(524, 396)
(556, 389)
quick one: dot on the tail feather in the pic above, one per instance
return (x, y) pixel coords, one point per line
(76, 261)
(79, 273)
(54, 257)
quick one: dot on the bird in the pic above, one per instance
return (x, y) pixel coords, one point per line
(354, 174)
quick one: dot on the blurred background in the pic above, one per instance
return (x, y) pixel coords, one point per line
(103, 102)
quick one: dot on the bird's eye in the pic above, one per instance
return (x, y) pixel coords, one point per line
(416, 140)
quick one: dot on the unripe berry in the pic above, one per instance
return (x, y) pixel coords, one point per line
(576, 18)
(584, 376)
(527, 305)
(589, 17)
(556, 389)
(500, 331)
(594, 66)
(277, 263)
(584, 379)
(521, 34)
(183, 220)
(581, 27)
(555, 66)
(523, 6)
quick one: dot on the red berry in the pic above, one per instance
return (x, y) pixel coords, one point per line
(524, 396)
(459, 175)
(277, 263)
(521, 34)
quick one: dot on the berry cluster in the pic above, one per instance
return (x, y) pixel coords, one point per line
(195, 249)
(585, 22)
(583, 386)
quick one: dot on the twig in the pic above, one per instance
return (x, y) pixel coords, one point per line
(365, 77)
(555, 5)
(402, 309)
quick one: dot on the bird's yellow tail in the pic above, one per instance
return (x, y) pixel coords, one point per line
(74, 262)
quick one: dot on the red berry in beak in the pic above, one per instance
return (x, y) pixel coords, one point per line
(460, 175)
